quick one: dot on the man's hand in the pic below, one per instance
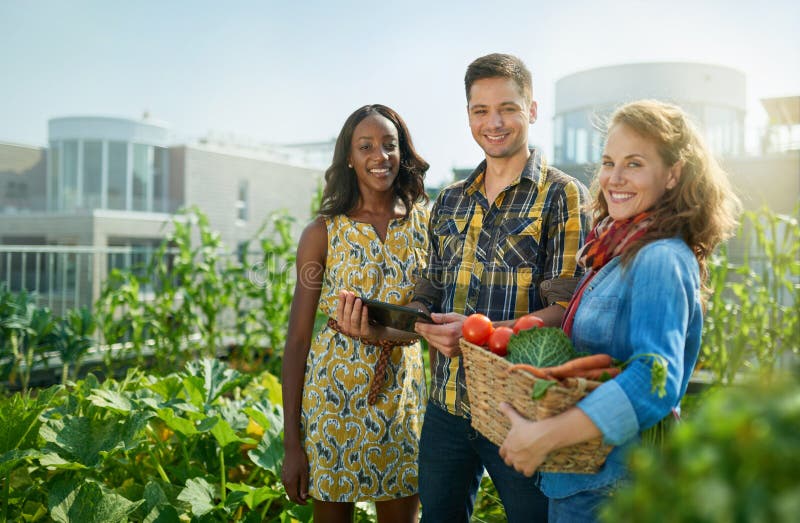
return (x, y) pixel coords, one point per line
(444, 334)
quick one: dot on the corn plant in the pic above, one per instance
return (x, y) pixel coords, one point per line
(752, 320)
(199, 291)
(263, 291)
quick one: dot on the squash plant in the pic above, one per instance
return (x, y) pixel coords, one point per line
(202, 444)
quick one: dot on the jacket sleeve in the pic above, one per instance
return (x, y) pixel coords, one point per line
(665, 305)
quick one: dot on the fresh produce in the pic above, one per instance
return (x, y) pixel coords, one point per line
(548, 354)
(477, 328)
(543, 347)
(540, 373)
(529, 321)
(577, 365)
(498, 340)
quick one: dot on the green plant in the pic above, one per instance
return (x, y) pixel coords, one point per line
(147, 448)
(735, 459)
(72, 338)
(29, 331)
(752, 319)
(19, 417)
(488, 507)
(201, 294)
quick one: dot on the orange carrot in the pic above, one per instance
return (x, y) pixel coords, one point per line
(596, 374)
(568, 369)
(536, 371)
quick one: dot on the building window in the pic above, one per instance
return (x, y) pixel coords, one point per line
(53, 175)
(571, 145)
(142, 162)
(117, 174)
(160, 178)
(69, 194)
(581, 146)
(92, 173)
(241, 202)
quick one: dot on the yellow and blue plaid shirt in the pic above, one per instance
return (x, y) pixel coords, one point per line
(503, 259)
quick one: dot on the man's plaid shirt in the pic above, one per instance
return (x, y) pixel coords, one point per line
(503, 260)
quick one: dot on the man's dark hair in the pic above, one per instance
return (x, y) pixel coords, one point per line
(341, 194)
(498, 65)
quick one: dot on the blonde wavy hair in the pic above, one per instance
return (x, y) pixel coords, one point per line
(702, 208)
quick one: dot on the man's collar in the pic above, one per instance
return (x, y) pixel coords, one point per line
(532, 172)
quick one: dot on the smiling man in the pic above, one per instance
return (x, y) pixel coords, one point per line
(503, 243)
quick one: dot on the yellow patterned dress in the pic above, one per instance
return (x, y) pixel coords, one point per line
(357, 451)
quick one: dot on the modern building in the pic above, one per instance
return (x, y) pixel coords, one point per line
(115, 182)
(713, 95)
(23, 175)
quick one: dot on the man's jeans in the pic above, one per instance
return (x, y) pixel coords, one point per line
(452, 456)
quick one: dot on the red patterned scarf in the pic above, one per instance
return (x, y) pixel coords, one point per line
(606, 241)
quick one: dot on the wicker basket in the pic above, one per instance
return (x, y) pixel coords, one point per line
(489, 384)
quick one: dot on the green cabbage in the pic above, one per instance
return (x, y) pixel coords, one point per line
(541, 347)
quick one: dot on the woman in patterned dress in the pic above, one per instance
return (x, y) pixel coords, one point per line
(343, 444)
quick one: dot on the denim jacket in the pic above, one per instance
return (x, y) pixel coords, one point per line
(650, 306)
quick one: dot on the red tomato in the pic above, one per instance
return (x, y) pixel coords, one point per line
(477, 328)
(529, 321)
(498, 341)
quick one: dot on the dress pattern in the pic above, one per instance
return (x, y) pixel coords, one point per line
(357, 451)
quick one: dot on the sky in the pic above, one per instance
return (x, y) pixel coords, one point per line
(289, 72)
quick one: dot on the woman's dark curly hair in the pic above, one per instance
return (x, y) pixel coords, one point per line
(341, 193)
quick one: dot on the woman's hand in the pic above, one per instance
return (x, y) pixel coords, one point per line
(529, 442)
(352, 317)
(522, 448)
(294, 475)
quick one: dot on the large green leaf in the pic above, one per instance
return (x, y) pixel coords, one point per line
(157, 507)
(268, 416)
(110, 399)
(176, 423)
(169, 387)
(268, 455)
(19, 415)
(217, 377)
(10, 459)
(254, 496)
(301, 513)
(53, 460)
(86, 440)
(200, 495)
(224, 434)
(272, 385)
(85, 501)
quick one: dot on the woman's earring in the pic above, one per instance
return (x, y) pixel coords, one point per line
(350, 165)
